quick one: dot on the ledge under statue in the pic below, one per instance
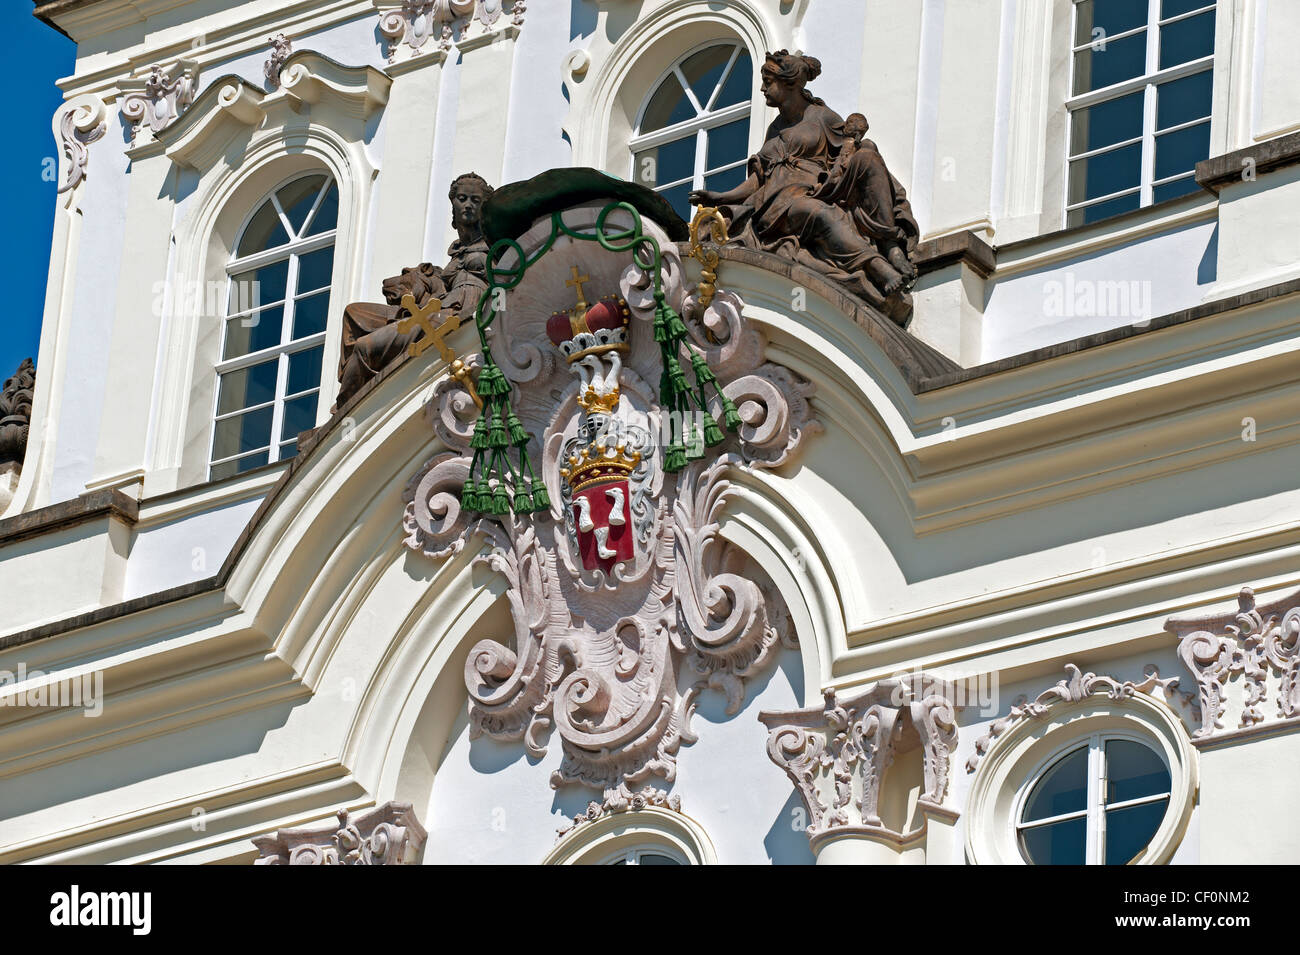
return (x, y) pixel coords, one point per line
(820, 194)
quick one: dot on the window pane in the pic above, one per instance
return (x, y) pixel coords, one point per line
(653, 858)
(1106, 173)
(1182, 101)
(245, 432)
(315, 269)
(1104, 210)
(1120, 60)
(298, 197)
(1185, 40)
(728, 144)
(1181, 151)
(253, 332)
(668, 105)
(703, 70)
(1109, 16)
(309, 314)
(238, 466)
(289, 450)
(679, 198)
(304, 370)
(1172, 190)
(1129, 830)
(264, 231)
(1106, 123)
(1063, 788)
(327, 216)
(248, 386)
(667, 163)
(299, 416)
(722, 181)
(1061, 843)
(1133, 771)
(255, 287)
(1172, 8)
(737, 87)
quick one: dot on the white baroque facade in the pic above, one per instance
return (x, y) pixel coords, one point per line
(1018, 584)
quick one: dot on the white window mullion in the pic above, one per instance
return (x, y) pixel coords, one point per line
(701, 153)
(1096, 794)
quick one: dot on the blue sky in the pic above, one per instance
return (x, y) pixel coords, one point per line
(40, 55)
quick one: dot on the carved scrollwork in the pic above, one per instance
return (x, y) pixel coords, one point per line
(613, 659)
(79, 126)
(1259, 644)
(1078, 687)
(415, 22)
(386, 835)
(158, 100)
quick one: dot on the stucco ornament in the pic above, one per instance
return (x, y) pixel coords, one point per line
(79, 126)
(415, 22)
(281, 48)
(837, 754)
(157, 100)
(389, 834)
(1261, 643)
(626, 603)
(1078, 687)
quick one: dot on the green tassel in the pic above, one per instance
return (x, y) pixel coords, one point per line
(468, 499)
(482, 495)
(480, 440)
(523, 502)
(676, 327)
(674, 371)
(674, 458)
(491, 382)
(703, 374)
(518, 436)
(661, 325)
(497, 437)
(541, 500)
(694, 444)
(500, 499)
(712, 433)
(731, 417)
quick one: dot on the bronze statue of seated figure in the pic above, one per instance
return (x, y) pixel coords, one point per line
(371, 340)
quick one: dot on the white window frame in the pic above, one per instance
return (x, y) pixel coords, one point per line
(632, 854)
(291, 251)
(1096, 807)
(705, 119)
(1151, 77)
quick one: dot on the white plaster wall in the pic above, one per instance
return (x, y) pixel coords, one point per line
(184, 550)
(1173, 270)
(492, 804)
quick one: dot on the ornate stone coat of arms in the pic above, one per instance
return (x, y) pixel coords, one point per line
(616, 411)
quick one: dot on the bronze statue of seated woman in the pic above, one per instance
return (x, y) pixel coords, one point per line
(371, 340)
(820, 194)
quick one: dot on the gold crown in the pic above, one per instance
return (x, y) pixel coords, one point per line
(593, 403)
(600, 464)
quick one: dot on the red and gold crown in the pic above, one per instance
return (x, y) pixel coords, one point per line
(594, 330)
(599, 464)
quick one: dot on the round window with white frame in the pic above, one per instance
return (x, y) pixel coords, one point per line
(1092, 782)
(649, 836)
(273, 344)
(693, 129)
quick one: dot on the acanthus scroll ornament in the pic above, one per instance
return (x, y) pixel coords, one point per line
(626, 602)
(157, 100)
(79, 126)
(281, 47)
(385, 835)
(414, 23)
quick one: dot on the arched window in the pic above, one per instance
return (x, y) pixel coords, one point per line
(693, 130)
(1099, 803)
(273, 343)
(649, 836)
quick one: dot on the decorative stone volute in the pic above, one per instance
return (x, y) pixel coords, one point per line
(16, 415)
(413, 24)
(157, 100)
(837, 755)
(385, 835)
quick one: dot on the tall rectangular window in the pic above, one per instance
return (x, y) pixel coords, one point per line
(1142, 80)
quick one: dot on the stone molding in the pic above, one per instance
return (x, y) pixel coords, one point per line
(1260, 644)
(837, 754)
(1241, 165)
(1078, 687)
(157, 100)
(388, 834)
(623, 801)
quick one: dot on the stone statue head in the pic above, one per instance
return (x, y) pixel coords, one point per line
(467, 194)
(785, 75)
(855, 127)
(421, 281)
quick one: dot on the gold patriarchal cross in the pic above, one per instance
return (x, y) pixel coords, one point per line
(419, 317)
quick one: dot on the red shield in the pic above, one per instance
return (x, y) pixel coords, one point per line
(604, 522)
